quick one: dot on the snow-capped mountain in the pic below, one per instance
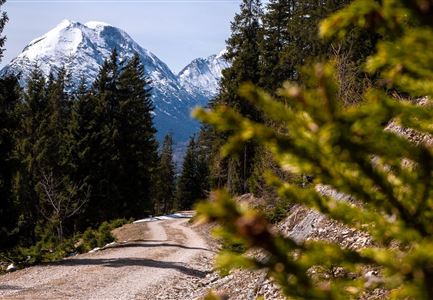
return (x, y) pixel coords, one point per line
(202, 76)
(82, 49)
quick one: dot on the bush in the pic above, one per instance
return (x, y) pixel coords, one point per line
(104, 235)
(49, 249)
(46, 249)
(100, 237)
(41, 252)
(88, 241)
(277, 213)
(120, 222)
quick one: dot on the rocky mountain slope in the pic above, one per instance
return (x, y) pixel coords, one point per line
(82, 49)
(201, 77)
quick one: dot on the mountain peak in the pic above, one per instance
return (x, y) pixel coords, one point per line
(64, 23)
(202, 75)
(62, 40)
(97, 24)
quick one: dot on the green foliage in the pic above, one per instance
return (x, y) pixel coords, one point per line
(165, 186)
(92, 238)
(115, 151)
(267, 48)
(351, 150)
(48, 248)
(9, 103)
(243, 51)
(3, 20)
(278, 212)
(89, 240)
(120, 222)
(104, 234)
(193, 182)
(290, 39)
(277, 65)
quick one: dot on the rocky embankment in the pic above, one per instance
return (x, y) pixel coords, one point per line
(303, 224)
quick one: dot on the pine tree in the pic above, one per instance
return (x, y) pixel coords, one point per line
(302, 44)
(31, 148)
(83, 149)
(104, 160)
(3, 20)
(43, 150)
(80, 129)
(243, 51)
(35, 122)
(115, 150)
(193, 181)
(187, 184)
(137, 142)
(166, 184)
(9, 165)
(276, 64)
(59, 116)
(217, 166)
(61, 196)
(203, 170)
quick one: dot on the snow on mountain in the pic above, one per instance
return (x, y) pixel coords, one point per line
(82, 49)
(202, 76)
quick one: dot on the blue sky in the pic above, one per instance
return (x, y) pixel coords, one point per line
(177, 31)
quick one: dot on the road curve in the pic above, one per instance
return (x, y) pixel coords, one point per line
(126, 271)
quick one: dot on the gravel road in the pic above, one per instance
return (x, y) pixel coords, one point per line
(167, 250)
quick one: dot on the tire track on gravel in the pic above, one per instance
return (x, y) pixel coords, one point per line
(122, 272)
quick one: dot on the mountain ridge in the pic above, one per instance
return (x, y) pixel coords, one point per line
(202, 75)
(82, 49)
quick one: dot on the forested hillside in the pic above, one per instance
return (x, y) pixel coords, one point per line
(348, 138)
(74, 159)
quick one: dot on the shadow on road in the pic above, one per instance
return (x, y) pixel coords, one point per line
(127, 262)
(10, 287)
(146, 245)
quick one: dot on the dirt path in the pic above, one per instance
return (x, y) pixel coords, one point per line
(167, 252)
